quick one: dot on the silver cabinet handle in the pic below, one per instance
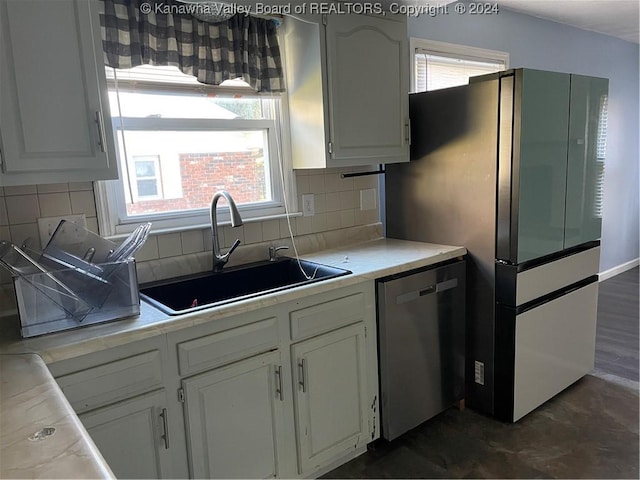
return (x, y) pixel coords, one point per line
(165, 426)
(407, 130)
(101, 134)
(279, 383)
(301, 374)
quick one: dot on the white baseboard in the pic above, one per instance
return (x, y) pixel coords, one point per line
(612, 272)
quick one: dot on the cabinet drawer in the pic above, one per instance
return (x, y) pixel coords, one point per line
(553, 276)
(113, 381)
(227, 346)
(327, 316)
(554, 347)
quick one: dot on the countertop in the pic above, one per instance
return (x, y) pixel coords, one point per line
(367, 260)
(30, 398)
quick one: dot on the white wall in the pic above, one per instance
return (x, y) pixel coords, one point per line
(545, 45)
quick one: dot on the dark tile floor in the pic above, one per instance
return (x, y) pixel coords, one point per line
(618, 325)
(588, 431)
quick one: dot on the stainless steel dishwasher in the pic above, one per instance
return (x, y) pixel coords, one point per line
(421, 335)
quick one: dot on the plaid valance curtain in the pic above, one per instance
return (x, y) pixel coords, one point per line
(242, 47)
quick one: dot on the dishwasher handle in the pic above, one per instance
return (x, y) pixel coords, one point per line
(435, 288)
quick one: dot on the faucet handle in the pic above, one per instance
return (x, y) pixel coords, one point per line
(220, 261)
(273, 252)
(233, 247)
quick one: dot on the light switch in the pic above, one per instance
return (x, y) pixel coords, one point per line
(308, 205)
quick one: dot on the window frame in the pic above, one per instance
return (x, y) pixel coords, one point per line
(451, 50)
(110, 198)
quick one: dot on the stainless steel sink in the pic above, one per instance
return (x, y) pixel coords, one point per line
(195, 292)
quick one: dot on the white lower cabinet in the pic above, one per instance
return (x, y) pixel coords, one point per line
(233, 417)
(121, 399)
(284, 391)
(331, 385)
(133, 436)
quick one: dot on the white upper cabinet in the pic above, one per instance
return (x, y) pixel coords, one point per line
(54, 118)
(347, 83)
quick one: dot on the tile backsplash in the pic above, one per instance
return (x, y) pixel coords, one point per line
(20, 208)
(337, 206)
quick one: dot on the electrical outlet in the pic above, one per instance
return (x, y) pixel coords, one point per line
(479, 372)
(308, 205)
(48, 225)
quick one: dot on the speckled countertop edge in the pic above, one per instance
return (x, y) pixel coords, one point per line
(30, 400)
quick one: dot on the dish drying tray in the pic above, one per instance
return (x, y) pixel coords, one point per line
(71, 283)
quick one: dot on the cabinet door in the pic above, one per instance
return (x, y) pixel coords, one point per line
(367, 72)
(585, 169)
(131, 436)
(544, 122)
(331, 385)
(234, 419)
(54, 118)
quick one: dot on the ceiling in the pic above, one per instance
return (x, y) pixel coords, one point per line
(618, 18)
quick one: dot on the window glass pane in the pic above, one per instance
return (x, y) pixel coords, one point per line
(163, 105)
(433, 72)
(145, 169)
(158, 74)
(147, 188)
(193, 165)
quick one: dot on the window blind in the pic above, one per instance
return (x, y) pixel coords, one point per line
(601, 152)
(435, 70)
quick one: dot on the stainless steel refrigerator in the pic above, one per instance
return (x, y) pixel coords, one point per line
(511, 166)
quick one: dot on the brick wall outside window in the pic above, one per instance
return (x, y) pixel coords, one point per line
(202, 174)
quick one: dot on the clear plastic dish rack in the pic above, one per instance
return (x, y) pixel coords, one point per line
(71, 283)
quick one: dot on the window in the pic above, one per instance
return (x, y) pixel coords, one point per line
(179, 141)
(441, 65)
(146, 171)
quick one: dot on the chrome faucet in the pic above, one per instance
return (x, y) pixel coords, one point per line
(273, 252)
(220, 260)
